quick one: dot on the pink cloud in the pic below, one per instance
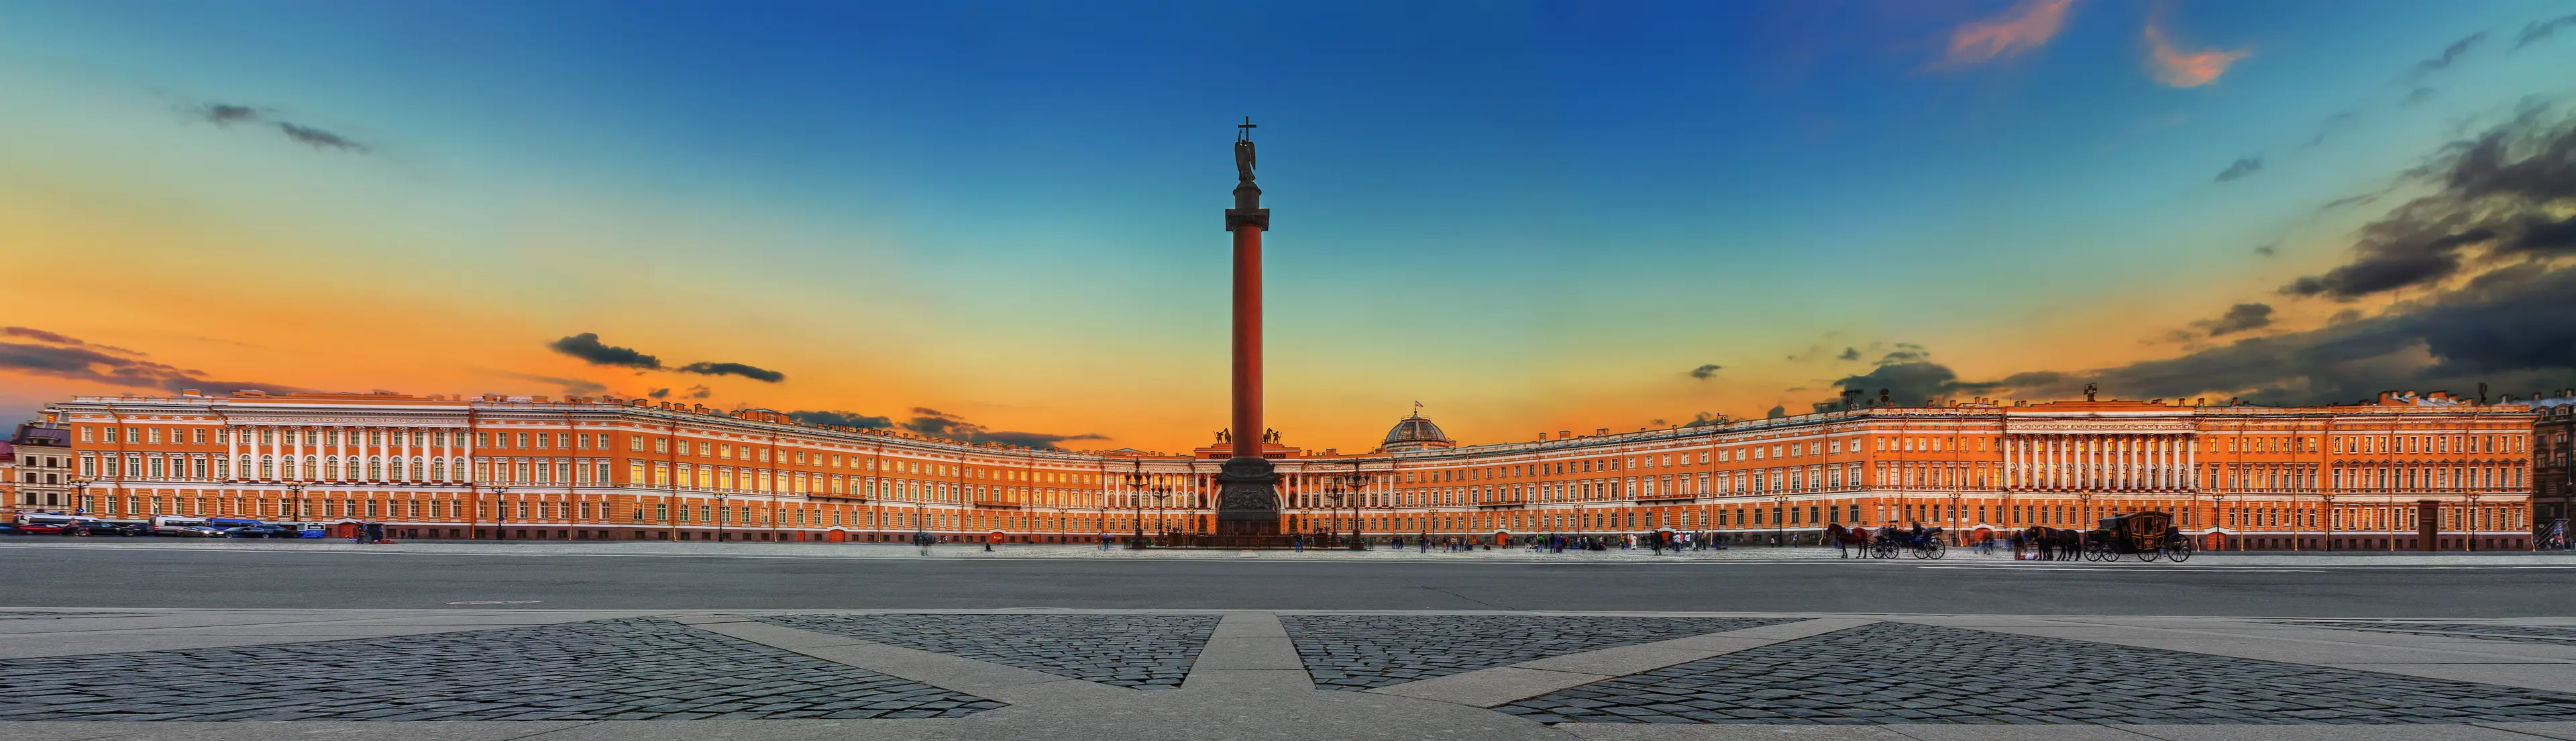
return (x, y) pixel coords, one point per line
(2021, 28)
(2180, 68)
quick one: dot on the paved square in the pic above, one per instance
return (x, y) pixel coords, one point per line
(1892, 673)
(1357, 652)
(626, 669)
(1140, 651)
(2561, 635)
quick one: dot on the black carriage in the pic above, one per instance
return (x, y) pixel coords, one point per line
(2145, 535)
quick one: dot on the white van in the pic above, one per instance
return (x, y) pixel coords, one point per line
(180, 525)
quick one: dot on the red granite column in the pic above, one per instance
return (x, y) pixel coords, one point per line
(1247, 341)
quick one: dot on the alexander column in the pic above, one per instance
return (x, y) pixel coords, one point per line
(1247, 486)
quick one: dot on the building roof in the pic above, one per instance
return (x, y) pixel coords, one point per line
(1415, 429)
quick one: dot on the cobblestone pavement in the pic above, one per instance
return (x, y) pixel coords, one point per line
(1140, 651)
(2560, 635)
(1357, 652)
(1894, 673)
(625, 669)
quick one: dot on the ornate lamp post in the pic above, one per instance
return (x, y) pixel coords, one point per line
(500, 511)
(1136, 481)
(80, 490)
(1334, 492)
(295, 491)
(1162, 520)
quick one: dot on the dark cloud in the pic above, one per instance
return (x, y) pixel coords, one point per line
(699, 392)
(318, 138)
(61, 339)
(2364, 199)
(2485, 255)
(1703, 372)
(2449, 54)
(2538, 31)
(935, 423)
(658, 393)
(2241, 168)
(571, 386)
(2239, 318)
(225, 114)
(2268, 249)
(1849, 353)
(1777, 411)
(1704, 419)
(734, 369)
(587, 347)
(843, 419)
(87, 364)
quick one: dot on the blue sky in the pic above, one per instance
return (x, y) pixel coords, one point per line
(1540, 214)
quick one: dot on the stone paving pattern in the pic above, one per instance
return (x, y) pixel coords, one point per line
(1357, 652)
(2552, 634)
(627, 669)
(1139, 651)
(1898, 673)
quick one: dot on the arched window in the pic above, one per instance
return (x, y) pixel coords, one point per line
(438, 469)
(456, 469)
(268, 466)
(375, 469)
(331, 468)
(417, 472)
(312, 467)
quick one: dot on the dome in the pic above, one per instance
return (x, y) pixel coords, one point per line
(1415, 433)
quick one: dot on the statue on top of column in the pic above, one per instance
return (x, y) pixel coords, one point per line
(1243, 149)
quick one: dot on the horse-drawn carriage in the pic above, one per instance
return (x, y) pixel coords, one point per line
(1887, 542)
(2145, 535)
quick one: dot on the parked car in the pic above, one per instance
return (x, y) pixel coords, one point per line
(94, 528)
(41, 528)
(313, 531)
(260, 531)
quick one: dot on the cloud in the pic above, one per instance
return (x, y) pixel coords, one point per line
(2485, 260)
(2242, 167)
(843, 419)
(223, 114)
(935, 423)
(2268, 249)
(87, 364)
(587, 347)
(2239, 318)
(699, 392)
(61, 339)
(227, 114)
(658, 393)
(2178, 68)
(571, 386)
(734, 369)
(1777, 411)
(2449, 54)
(2418, 96)
(1849, 353)
(2538, 31)
(2023, 27)
(1703, 372)
(1704, 419)
(318, 138)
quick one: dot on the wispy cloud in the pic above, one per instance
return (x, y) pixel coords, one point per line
(227, 114)
(2021, 28)
(2539, 31)
(1703, 372)
(587, 347)
(734, 369)
(2178, 68)
(65, 357)
(2242, 167)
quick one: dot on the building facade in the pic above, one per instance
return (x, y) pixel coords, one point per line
(40, 462)
(2344, 477)
(2553, 463)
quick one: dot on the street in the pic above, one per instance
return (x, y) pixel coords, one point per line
(197, 574)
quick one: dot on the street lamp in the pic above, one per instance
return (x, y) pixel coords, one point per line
(296, 490)
(723, 513)
(1162, 497)
(500, 511)
(80, 494)
(1136, 481)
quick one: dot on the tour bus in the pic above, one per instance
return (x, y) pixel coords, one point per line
(181, 525)
(48, 523)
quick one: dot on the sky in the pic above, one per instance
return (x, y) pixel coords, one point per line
(1003, 221)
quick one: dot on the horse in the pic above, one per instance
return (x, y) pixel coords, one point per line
(2043, 540)
(1846, 539)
